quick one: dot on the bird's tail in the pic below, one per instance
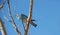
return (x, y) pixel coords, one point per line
(32, 23)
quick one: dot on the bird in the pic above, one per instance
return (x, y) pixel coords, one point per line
(23, 18)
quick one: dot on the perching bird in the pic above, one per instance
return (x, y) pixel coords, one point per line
(24, 19)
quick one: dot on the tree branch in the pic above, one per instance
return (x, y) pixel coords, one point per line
(2, 28)
(1, 5)
(13, 23)
(29, 17)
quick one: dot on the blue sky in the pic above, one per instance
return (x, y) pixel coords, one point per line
(0, 33)
(45, 12)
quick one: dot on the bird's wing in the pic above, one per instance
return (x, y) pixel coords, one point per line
(24, 16)
(32, 23)
(33, 20)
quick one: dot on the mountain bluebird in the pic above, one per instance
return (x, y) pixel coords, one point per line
(24, 19)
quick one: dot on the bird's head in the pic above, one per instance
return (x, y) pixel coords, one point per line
(18, 16)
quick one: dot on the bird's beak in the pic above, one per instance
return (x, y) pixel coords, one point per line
(17, 15)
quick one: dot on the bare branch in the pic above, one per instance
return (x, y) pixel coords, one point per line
(13, 23)
(29, 17)
(5, 17)
(1, 5)
(2, 28)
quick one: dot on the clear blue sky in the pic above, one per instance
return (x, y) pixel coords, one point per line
(45, 12)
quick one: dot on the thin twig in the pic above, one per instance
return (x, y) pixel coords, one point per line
(13, 23)
(2, 28)
(5, 17)
(1, 5)
(29, 17)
